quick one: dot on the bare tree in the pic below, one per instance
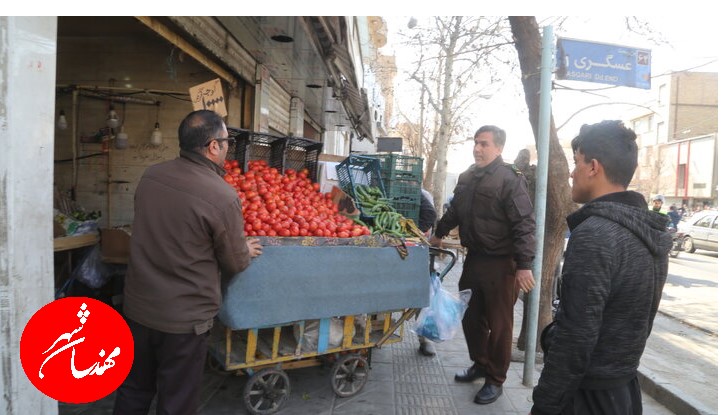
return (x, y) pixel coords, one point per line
(558, 203)
(527, 39)
(649, 179)
(452, 53)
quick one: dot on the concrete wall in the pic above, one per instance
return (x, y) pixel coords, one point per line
(27, 81)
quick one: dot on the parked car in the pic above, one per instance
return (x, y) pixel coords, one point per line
(700, 231)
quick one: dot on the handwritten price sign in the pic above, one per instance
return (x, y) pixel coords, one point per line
(209, 96)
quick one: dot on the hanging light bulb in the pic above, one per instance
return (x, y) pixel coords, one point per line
(121, 139)
(62, 121)
(156, 137)
(112, 121)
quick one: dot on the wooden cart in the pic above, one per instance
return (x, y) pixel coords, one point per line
(346, 342)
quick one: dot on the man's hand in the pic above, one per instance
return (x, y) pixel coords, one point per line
(435, 241)
(254, 247)
(524, 279)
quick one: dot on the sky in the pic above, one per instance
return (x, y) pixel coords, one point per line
(692, 41)
(689, 44)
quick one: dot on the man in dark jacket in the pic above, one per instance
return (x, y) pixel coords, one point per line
(613, 275)
(188, 229)
(427, 215)
(493, 211)
(426, 219)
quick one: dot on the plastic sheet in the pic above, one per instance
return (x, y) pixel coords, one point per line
(292, 283)
(92, 271)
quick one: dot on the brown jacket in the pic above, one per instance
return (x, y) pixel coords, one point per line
(188, 228)
(494, 213)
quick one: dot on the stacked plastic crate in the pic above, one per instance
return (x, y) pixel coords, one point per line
(359, 170)
(402, 177)
(280, 152)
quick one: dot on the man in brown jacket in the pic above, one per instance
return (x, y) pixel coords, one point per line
(493, 211)
(187, 231)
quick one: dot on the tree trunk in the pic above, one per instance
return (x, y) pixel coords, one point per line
(444, 135)
(558, 202)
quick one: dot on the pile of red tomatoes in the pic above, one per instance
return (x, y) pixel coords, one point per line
(287, 204)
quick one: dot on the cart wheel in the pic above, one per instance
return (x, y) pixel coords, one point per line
(350, 374)
(266, 391)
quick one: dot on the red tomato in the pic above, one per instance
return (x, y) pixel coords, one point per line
(286, 205)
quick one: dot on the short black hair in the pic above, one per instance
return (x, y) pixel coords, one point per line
(197, 128)
(499, 136)
(613, 145)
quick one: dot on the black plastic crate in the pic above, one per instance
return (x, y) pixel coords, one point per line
(408, 206)
(302, 153)
(249, 145)
(357, 170)
(400, 167)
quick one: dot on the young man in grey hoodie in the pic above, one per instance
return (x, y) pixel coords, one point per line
(613, 275)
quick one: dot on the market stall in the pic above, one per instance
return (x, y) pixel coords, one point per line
(326, 289)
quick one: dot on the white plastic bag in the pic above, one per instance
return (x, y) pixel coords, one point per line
(442, 318)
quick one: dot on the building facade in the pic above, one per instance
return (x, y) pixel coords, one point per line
(678, 140)
(87, 103)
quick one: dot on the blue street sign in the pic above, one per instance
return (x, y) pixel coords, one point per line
(603, 63)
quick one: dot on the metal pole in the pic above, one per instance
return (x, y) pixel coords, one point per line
(544, 126)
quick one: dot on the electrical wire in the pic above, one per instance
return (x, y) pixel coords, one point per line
(122, 94)
(80, 158)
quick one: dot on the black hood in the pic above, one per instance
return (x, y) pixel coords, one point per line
(629, 210)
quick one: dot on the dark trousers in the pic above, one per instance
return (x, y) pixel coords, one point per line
(171, 365)
(488, 322)
(624, 400)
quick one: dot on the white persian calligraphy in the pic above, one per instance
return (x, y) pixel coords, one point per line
(586, 63)
(96, 368)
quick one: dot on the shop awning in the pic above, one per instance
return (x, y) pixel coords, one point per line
(329, 34)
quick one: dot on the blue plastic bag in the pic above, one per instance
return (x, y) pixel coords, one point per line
(442, 318)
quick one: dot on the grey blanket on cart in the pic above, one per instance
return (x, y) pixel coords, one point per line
(291, 283)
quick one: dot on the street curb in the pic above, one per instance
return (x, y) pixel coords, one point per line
(670, 397)
(686, 323)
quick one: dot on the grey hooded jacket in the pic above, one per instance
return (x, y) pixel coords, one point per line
(613, 276)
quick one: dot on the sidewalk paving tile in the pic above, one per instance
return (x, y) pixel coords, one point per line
(401, 382)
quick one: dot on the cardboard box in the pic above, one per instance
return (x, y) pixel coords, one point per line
(115, 245)
(346, 204)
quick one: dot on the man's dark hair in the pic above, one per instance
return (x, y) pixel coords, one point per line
(613, 145)
(197, 128)
(523, 159)
(499, 136)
